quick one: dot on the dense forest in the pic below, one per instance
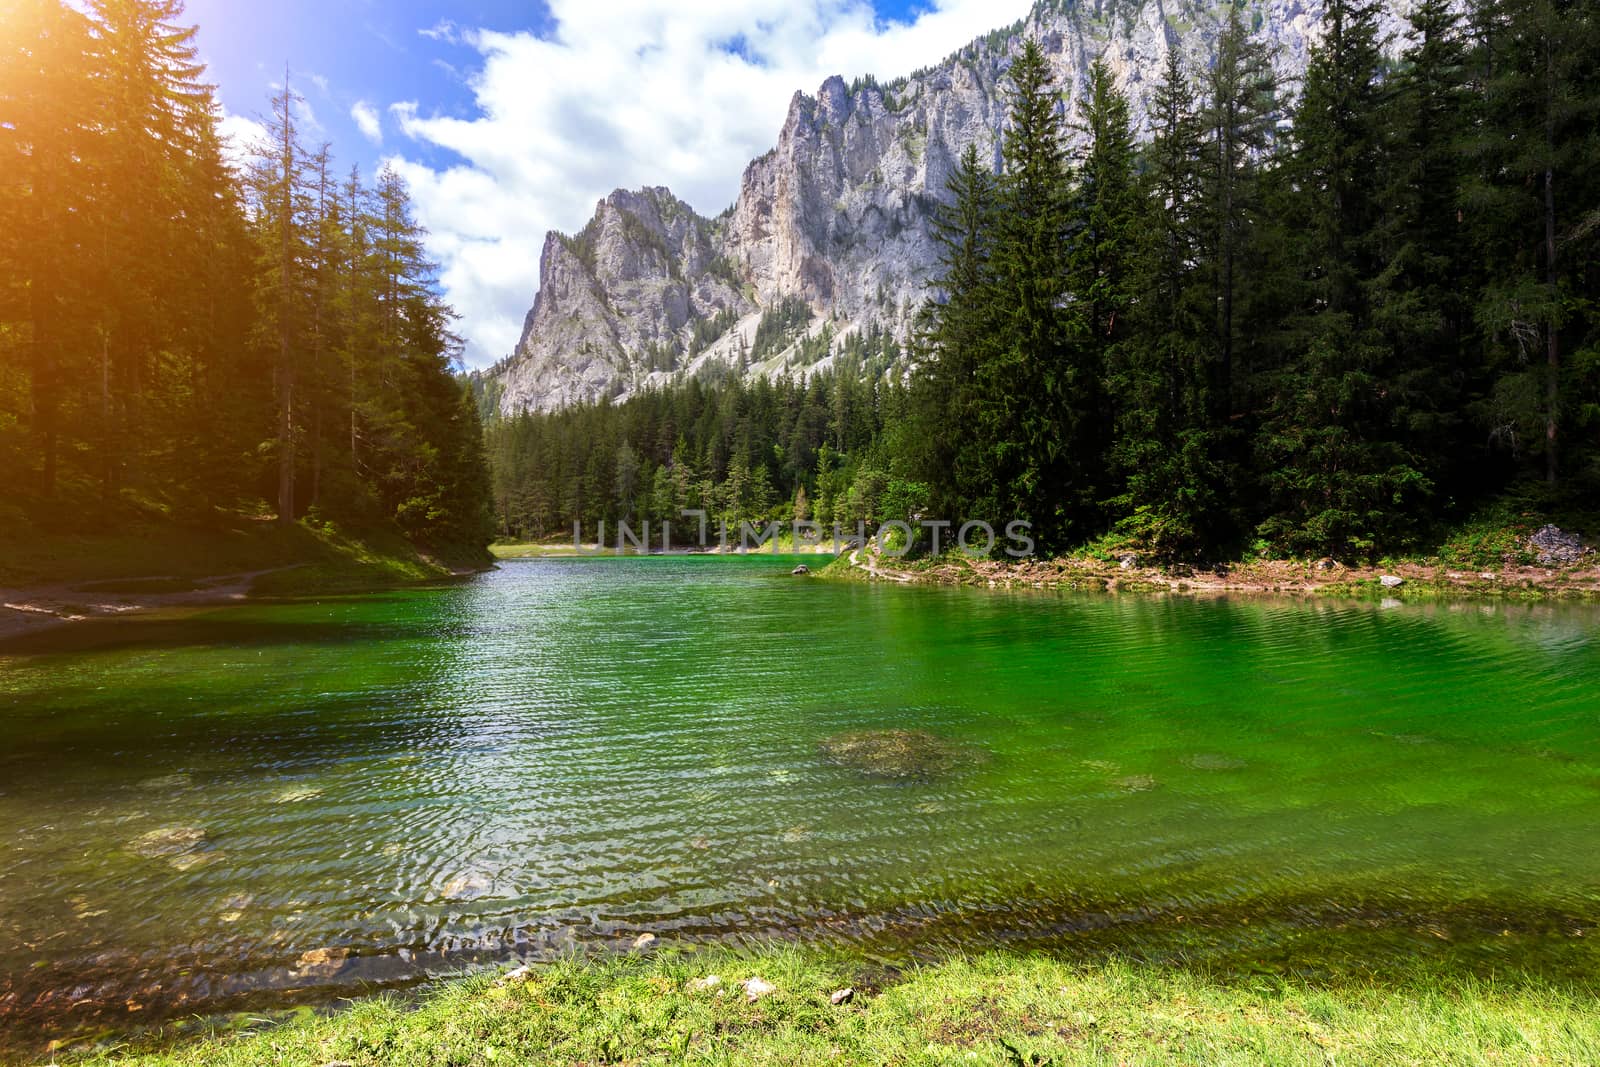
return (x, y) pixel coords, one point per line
(186, 338)
(1316, 319)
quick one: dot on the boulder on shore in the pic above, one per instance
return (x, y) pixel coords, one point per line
(801, 571)
(1555, 547)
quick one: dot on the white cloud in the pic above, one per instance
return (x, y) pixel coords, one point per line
(443, 30)
(631, 93)
(367, 121)
(241, 136)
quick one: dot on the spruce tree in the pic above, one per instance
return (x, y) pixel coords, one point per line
(1167, 448)
(1541, 112)
(1037, 404)
(1420, 295)
(1240, 113)
(957, 342)
(1332, 449)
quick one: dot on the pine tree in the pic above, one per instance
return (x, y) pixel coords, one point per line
(1420, 294)
(1168, 441)
(1037, 405)
(1104, 202)
(1541, 109)
(154, 107)
(47, 96)
(1240, 113)
(282, 206)
(957, 342)
(1332, 451)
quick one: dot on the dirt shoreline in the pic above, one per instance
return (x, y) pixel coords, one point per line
(30, 610)
(1417, 579)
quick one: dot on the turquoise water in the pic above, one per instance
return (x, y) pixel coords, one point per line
(288, 802)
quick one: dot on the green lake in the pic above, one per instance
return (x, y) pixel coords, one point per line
(289, 802)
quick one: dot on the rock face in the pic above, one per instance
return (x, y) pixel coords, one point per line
(837, 215)
(1556, 547)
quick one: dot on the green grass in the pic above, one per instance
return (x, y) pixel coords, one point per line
(152, 556)
(784, 545)
(997, 1009)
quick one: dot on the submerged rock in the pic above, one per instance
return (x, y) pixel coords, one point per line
(321, 962)
(186, 861)
(166, 782)
(899, 753)
(466, 887)
(1211, 761)
(801, 570)
(1137, 783)
(168, 841)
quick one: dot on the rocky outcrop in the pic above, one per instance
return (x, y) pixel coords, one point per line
(1555, 547)
(838, 214)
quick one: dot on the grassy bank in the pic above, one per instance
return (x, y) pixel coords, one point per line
(1490, 558)
(785, 545)
(996, 1009)
(162, 558)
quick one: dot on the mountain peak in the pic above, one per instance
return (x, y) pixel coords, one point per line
(838, 213)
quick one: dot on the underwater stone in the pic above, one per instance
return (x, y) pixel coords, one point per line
(465, 887)
(169, 841)
(321, 962)
(898, 753)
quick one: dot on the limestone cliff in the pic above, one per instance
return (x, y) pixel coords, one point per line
(838, 213)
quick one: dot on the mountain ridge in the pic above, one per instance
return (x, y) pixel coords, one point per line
(837, 214)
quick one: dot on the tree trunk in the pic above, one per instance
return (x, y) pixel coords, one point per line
(1551, 329)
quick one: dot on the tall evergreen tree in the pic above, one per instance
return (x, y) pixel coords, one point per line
(1168, 437)
(1341, 478)
(1241, 110)
(50, 105)
(958, 340)
(1541, 110)
(1419, 295)
(1038, 403)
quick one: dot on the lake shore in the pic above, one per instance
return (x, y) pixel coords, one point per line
(794, 1006)
(1421, 579)
(48, 581)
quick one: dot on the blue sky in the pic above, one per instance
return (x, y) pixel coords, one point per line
(510, 119)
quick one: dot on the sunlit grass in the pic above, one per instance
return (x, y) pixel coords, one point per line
(994, 1009)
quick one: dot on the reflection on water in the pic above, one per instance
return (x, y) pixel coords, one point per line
(291, 800)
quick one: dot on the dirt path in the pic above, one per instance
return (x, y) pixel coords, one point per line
(874, 571)
(24, 611)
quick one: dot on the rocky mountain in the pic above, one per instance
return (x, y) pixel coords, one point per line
(834, 221)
